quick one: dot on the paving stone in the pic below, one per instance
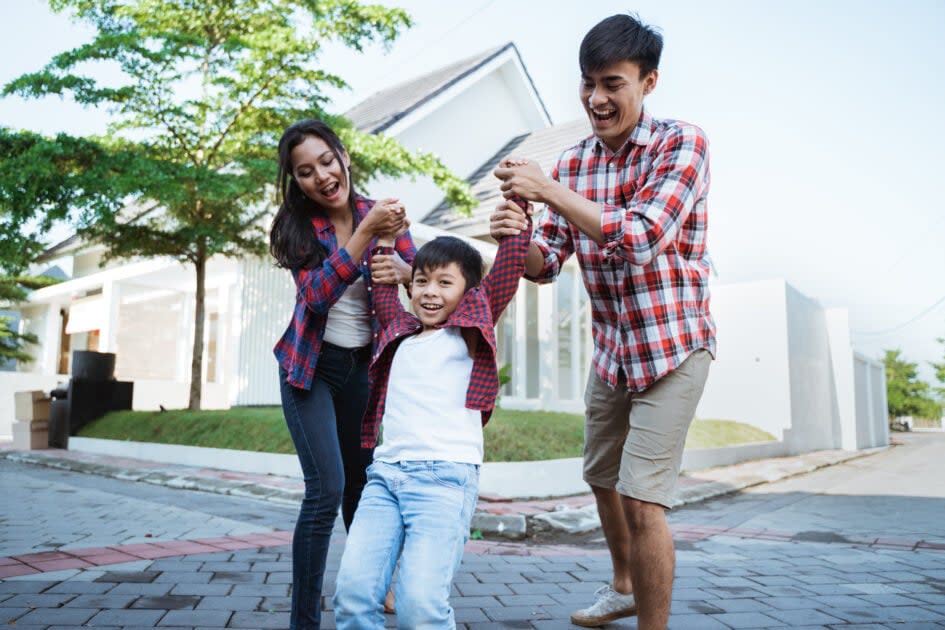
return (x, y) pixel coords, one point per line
(201, 589)
(50, 616)
(259, 620)
(807, 616)
(202, 618)
(38, 600)
(751, 620)
(232, 603)
(96, 600)
(167, 602)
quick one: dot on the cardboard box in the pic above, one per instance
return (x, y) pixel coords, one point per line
(31, 406)
(28, 436)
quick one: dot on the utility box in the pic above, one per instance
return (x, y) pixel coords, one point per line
(32, 405)
(31, 429)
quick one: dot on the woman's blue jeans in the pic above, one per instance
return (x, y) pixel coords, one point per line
(325, 425)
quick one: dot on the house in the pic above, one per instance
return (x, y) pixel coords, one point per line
(795, 374)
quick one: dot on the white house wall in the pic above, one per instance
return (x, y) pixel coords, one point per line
(815, 422)
(750, 379)
(464, 132)
(265, 303)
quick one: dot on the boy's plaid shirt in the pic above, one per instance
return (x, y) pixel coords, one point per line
(480, 309)
(318, 289)
(648, 283)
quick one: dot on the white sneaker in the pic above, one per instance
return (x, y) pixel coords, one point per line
(610, 606)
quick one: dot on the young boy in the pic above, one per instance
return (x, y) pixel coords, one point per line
(434, 384)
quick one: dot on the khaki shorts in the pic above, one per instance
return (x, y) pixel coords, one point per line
(633, 442)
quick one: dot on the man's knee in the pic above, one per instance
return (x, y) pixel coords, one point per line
(642, 515)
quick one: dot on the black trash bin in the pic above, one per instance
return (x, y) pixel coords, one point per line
(59, 417)
(91, 393)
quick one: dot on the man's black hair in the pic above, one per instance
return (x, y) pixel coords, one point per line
(444, 250)
(621, 37)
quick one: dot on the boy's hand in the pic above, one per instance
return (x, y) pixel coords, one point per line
(389, 269)
(522, 178)
(509, 219)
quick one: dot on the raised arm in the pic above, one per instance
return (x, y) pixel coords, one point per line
(501, 282)
(386, 298)
(553, 242)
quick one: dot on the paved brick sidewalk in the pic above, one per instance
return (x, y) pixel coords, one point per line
(835, 549)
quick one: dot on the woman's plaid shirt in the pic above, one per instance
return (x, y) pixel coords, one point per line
(648, 283)
(479, 309)
(317, 290)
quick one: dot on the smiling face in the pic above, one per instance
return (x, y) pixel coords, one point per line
(435, 293)
(613, 100)
(320, 174)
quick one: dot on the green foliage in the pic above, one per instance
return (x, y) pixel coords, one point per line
(189, 156)
(14, 289)
(939, 368)
(905, 393)
(13, 344)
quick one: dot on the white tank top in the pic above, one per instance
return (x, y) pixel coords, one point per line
(425, 414)
(349, 319)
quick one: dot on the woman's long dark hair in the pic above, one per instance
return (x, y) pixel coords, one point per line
(292, 241)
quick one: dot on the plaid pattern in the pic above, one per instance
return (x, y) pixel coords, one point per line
(318, 289)
(648, 283)
(479, 309)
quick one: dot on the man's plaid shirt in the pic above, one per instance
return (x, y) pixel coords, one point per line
(479, 309)
(318, 289)
(648, 283)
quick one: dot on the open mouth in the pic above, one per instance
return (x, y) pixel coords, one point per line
(604, 115)
(431, 307)
(331, 189)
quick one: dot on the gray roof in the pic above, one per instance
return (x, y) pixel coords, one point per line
(543, 146)
(381, 110)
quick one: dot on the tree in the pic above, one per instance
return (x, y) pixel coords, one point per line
(905, 393)
(210, 85)
(939, 368)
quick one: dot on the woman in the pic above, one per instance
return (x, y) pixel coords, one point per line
(323, 233)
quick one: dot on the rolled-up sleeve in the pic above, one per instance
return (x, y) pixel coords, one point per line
(678, 179)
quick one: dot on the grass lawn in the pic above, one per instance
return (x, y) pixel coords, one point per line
(510, 435)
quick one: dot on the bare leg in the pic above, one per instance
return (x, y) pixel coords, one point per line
(617, 534)
(652, 562)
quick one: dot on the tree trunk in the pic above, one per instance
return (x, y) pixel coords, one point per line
(196, 362)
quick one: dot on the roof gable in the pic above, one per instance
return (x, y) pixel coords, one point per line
(543, 146)
(383, 109)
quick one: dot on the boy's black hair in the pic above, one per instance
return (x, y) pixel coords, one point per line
(621, 37)
(444, 250)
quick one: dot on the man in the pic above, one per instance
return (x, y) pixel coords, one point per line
(629, 201)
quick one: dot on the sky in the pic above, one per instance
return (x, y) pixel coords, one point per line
(824, 121)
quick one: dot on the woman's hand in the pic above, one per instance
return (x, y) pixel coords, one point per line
(387, 217)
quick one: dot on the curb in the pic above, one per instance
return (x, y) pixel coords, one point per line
(539, 515)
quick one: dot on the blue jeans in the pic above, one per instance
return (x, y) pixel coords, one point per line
(325, 425)
(421, 512)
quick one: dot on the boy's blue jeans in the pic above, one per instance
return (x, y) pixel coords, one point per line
(419, 511)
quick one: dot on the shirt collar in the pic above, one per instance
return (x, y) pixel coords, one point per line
(362, 205)
(639, 136)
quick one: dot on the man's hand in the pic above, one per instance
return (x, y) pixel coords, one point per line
(522, 178)
(389, 269)
(508, 220)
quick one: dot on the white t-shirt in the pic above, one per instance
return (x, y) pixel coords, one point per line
(425, 414)
(349, 319)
